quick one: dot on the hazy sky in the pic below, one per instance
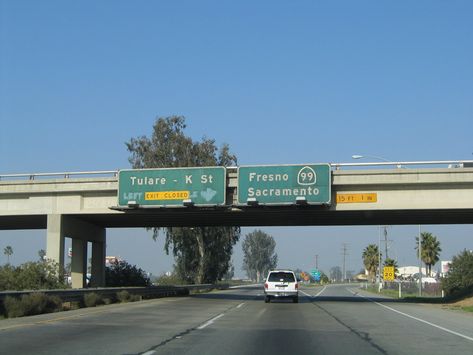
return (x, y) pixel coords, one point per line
(280, 82)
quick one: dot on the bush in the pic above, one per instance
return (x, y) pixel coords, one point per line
(172, 279)
(459, 280)
(122, 274)
(125, 296)
(39, 275)
(92, 299)
(28, 305)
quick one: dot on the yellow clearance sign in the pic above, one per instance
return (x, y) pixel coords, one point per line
(357, 198)
(388, 273)
(167, 195)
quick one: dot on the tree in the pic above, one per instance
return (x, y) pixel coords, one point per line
(336, 273)
(41, 254)
(32, 276)
(430, 250)
(259, 256)
(230, 273)
(8, 251)
(371, 260)
(202, 254)
(459, 279)
(324, 279)
(391, 262)
(121, 273)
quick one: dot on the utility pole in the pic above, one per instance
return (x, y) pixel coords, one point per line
(419, 247)
(385, 242)
(344, 253)
(379, 257)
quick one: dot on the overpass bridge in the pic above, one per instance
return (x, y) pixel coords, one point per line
(82, 205)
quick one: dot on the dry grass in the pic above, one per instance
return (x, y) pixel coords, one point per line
(466, 302)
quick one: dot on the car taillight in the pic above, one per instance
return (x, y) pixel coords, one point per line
(297, 286)
(266, 285)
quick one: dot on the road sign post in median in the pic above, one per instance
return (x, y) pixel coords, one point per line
(172, 187)
(284, 184)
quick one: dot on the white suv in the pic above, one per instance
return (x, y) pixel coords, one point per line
(281, 284)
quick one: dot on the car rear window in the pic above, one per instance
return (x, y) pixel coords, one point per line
(284, 276)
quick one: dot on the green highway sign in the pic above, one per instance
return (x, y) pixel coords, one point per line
(284, 184)
(172, 187)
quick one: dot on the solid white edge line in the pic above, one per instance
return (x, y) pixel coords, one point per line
(415, 318)
(206, 324)
(151, 352)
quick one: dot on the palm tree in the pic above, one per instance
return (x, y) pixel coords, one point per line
(41, 254)
(8, 251)
(393, 263)
(371, 260)
(430, 250)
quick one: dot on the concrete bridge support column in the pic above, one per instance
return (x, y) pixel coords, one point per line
(55, 239)
(98, 263)
(79, 263)
(61, 226)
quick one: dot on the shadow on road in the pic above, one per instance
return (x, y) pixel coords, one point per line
(232, 295)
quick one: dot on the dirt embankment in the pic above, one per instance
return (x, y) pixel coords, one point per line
(466, 302)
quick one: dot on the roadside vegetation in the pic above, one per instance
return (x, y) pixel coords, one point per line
(28, 305)
(123, 274)
(259, 255)
(430, 250)
(201, 254)
(47, 275)
(457, 284)
(39, 275)
(459, 280)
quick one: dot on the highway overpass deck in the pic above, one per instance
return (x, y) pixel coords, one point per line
(402, 196)
(81, 208)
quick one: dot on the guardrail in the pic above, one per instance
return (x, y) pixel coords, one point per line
(403, 164)
(64, 175)
(336, 166)
(110, 292)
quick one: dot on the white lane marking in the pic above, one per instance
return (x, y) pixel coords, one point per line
(313, 296)
(415, 318)
(151, 352)
(260, 313)
(206, 324)
(305, 293)
(318, 294)
(240, 305)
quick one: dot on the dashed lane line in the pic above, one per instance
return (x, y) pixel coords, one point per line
(209, 322)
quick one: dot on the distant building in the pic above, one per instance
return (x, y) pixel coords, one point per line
(110, 260)
(445, 267)
(407, 272)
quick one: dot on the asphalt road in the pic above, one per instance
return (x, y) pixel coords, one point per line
(338, 319)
